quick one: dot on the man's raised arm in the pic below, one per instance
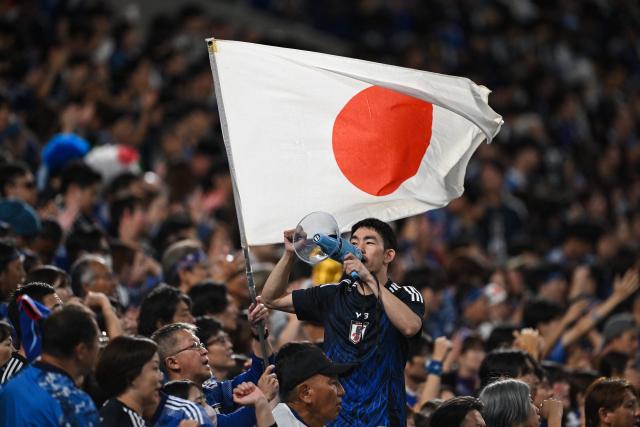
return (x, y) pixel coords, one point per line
(274, 293)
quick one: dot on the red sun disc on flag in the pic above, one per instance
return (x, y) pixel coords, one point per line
(380, 137)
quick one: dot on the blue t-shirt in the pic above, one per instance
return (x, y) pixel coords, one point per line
(43, 395)
(357, 330)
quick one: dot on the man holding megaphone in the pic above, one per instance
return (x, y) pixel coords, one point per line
(367, 318)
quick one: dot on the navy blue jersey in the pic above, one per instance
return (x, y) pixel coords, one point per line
(356, 329)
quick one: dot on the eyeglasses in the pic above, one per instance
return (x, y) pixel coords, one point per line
(196, 345)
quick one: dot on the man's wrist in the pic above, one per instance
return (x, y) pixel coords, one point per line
(434, 367)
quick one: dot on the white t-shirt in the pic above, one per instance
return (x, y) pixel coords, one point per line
(284, 417)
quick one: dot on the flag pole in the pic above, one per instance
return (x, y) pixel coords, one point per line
(213, 48)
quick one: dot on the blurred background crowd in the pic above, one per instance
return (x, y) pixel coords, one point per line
(116, 190)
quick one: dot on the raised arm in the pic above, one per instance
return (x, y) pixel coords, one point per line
(622, 289)
(274, 293)
(431, 389)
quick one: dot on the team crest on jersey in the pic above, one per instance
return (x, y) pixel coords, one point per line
(357, 331)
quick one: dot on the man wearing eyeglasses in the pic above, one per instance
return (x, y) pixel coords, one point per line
(184, 357)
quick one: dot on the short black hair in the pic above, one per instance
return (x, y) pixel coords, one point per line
(121, 204)
(501, 336)
(159, 305)
(121, 183)
(79, 173)
(208, 298)
(612, 364)
(425, 277)
(452, 412)
(51, 230)
(207, 327)
(473, 341)
(540, 311)
(507, 363)
(35, 290)
(579, 380)
(382, 228)
(84, 237)
(63, 330)
(49, 274)
(171, 230)
(122, 361)
(9, 172)
(7, 252)
(419, 346)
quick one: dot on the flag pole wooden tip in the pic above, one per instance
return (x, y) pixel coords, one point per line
(212, 46)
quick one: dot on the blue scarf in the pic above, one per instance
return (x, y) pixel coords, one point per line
(31, 314)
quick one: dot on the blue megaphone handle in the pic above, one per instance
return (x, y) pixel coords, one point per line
(337, 249)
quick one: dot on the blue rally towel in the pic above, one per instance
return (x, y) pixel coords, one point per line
(31, 314)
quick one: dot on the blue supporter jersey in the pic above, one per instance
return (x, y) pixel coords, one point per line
(219, 395)
(43, 395)
(357, 330)
(172, 410)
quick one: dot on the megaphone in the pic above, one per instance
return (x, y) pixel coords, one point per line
(317, 237)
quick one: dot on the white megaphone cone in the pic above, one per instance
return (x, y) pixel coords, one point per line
(317, 237)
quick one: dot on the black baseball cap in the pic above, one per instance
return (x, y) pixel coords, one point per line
(297, 362)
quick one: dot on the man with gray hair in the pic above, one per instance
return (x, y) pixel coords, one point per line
(92, 280)
(184, 357)
(92, 273)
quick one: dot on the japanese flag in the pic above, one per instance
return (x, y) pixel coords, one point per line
(308, 132)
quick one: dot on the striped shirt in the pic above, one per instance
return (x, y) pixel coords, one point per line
(114, 413)
(172, 410)
(12, 367)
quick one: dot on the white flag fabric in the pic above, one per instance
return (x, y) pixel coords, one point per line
(308, 132)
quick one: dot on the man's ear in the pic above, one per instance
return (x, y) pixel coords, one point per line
(389, 256)
(82, 351)
(305, 393)
(172, 364)
(603, 414)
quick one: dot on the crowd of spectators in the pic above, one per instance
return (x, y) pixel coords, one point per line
(117, 213)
